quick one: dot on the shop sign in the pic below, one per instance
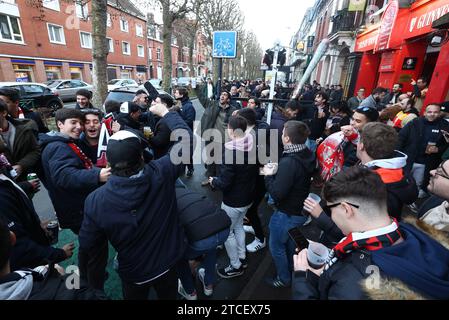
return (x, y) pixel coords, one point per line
(420, 22)
(366, 43)
(387, 62)
(409, 63)
(386, 26)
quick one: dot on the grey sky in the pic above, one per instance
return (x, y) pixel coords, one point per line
(273, 20)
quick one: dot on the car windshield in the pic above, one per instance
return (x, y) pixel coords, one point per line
(52, 83)
(114, 81)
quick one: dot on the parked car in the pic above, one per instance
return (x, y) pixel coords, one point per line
(67, 88)
(157, 83)
(120, 83)
(184, 81)
(35, 95)
(128, 93)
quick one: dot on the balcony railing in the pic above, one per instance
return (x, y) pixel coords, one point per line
(343, 21)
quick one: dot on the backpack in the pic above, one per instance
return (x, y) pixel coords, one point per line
(200, 217)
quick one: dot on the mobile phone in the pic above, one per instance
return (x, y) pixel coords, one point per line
(298, 238)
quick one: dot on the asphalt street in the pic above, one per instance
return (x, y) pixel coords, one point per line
(251, 285)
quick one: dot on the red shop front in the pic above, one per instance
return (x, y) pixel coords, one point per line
(405, 46)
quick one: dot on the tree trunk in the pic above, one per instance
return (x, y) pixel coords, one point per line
(192, 69)
(167, 31)
(100, 50)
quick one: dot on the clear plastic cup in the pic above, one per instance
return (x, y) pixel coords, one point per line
(317, 254)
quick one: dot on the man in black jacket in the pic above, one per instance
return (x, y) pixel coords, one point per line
(288, 187)
(423, 141)
(237, 180)
(136, 211)
(376, 150)
(40, 283)
(376, 248)
(32, 248)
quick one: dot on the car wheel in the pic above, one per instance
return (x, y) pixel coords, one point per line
(54, 106)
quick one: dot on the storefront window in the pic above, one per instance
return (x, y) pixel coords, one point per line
(23, 73)
(53, 73)
(125, 74)
(75, 73)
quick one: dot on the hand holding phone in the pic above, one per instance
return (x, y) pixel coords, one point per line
(299, 239)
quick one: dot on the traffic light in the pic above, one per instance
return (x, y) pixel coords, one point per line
(269, 57)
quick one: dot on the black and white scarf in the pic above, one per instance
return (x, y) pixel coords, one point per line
(294, 148)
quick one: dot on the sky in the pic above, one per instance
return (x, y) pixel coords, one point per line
(273, 20)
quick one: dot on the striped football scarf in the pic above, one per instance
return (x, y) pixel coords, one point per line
(370, 240)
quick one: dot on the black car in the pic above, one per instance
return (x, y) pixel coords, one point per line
(128, 93)
(35, 95)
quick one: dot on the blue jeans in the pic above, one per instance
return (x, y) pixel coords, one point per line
(281, 246)
(208, 247)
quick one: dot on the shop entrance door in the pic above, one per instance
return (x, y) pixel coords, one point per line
(430, 61)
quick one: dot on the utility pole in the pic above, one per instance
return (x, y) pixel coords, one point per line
(220, 76)
(277, 48)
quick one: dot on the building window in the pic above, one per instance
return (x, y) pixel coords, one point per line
(174, 41)
(139, 30)
(158, 35)
(86, 40)
(150, 54)
(52, 73)
(108, 20)
(126, 49)
(10, 30)
(158, 54)
(110, 45)
(81, 9)
(51, 4)
(124, 25)
(140, 51)
(56, 33)
(23, 73)
(152, 31)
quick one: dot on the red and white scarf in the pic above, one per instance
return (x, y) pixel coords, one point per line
(370, 240)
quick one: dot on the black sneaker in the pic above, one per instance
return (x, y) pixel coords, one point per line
(244, 263)
(189, 173)
(276, 283)
(230, 272)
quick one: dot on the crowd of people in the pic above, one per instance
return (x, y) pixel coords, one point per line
(378, 161)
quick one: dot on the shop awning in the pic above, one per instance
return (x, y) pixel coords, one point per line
(442, 22)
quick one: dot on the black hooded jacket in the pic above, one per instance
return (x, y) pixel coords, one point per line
(291, 184)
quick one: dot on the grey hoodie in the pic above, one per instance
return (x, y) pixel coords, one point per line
(18, 284)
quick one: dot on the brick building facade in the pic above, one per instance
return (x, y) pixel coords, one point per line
(54, 41)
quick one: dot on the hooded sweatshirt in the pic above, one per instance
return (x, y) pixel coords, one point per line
(18, 285)
(420, 262)
(401, 188)
(238, 172)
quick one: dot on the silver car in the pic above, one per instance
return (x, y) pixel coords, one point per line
(67, 88)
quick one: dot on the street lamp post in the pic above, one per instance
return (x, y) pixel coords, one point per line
(277, 48)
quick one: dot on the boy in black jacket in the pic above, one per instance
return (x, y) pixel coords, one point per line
(237, 181)
(288, 187)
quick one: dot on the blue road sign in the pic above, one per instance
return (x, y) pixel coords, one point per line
(224, 44)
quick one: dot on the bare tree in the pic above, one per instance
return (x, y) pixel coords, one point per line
(100, 50)
(186, 30)
(172, 10)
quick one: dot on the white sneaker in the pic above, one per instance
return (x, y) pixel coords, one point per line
(249, 229)
(182, 292)
(201, 274)
(256, 245)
